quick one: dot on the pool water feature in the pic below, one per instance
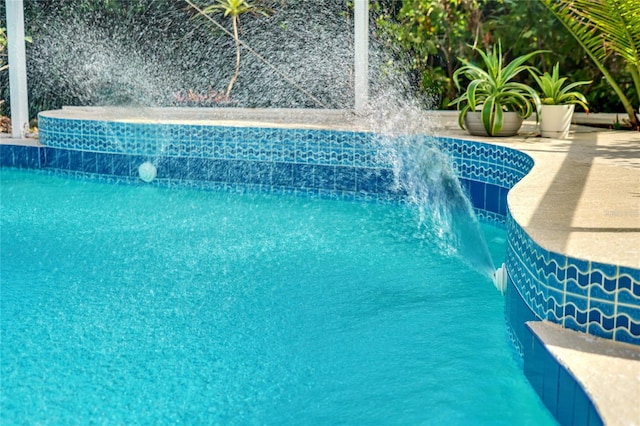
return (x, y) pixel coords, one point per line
(426, 174)
(140, 304)
(208, 148)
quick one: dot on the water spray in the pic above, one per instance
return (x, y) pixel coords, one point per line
(427, 176)
(257, 55)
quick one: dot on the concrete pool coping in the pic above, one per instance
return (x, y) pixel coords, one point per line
(582, 200)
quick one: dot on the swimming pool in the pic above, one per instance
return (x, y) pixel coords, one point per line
(136, 304)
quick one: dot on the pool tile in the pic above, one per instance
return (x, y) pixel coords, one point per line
(502, 201)
(477, 193)
(492, 198)
(304, 175)
(88, 162)
(345, 178)
(282, 174)
(533, 354)
(6, 155)
(260, 173)
(24, 157)
(59, 159)
(134, 162)
(173, 167)
(238, 171)
(324, 177)
(555, 305)
(198, 168)
(219, 170)
(367, 180)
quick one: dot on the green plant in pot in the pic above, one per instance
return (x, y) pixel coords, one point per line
(558, 102)
(492, 96)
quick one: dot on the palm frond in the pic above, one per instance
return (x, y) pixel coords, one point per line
(619, 23)
(604, 28)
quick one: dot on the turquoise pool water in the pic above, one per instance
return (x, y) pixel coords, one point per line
(137, 304)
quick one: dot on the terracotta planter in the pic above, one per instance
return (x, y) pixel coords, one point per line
(511, 124)
(555, 121)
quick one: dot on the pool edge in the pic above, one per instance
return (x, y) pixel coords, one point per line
(540, 271)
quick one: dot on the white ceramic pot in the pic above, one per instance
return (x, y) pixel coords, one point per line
(510, 126)
(555, 121)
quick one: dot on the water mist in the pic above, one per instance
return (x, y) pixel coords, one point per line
(426, 175)
(130, 63)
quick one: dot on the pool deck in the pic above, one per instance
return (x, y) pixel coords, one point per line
(581, 199)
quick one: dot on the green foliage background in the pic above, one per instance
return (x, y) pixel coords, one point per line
(434, 33)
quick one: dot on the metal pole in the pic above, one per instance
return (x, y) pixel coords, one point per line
(361, 49)
(17, 69)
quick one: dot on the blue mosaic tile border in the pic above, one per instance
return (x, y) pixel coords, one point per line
(302, 146)
(595, 298)
(321, 159)
(490, 164)
(487, 173)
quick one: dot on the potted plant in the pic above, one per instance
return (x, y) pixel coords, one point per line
(558, 103)
(493, 104)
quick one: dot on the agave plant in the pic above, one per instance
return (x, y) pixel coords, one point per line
(605, 28)
(553, 92)
(492, 90)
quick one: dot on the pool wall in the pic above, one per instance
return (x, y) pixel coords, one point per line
(591, 297)
(595, 298)
(337, 164)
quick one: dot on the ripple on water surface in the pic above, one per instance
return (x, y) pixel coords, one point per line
(136, 304)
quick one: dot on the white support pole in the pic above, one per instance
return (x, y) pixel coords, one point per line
(17, 68)
(361, 49)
